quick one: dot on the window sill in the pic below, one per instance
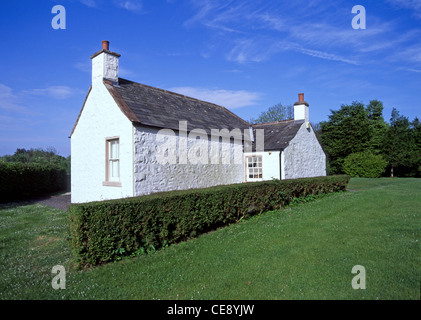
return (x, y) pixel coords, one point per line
(111, 183)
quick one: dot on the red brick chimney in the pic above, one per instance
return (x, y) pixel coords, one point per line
(301, 97)
(105, 45)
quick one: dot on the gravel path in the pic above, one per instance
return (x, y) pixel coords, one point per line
(61, 202)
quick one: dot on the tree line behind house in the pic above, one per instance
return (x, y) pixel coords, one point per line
(48, 156)
(32, 173)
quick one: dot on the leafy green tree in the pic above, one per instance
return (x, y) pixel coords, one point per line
(400, 146)
(377, 124)
(416, 127)
(277, 112)
(347, 131)
(39, 156)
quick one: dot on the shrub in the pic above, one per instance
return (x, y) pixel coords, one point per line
(103, 231)
(364, 164)
(20, 181)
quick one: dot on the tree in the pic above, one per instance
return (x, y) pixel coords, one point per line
(416, 127)
(277, 112)
(347, 131)
(400, 147)
(40, 156)
(378, 126)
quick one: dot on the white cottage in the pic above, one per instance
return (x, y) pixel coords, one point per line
(131, 139)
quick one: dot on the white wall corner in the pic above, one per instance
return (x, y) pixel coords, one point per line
(301, 111)
(282, 165)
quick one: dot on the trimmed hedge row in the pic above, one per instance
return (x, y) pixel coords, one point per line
(103, 231)
(19, 181)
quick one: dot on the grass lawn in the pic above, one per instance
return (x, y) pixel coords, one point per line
(306, 251)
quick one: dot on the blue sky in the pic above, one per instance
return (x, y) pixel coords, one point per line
(244, 55)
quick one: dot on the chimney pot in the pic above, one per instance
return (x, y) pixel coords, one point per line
(105, 45)
(104, 65)
(301, 97)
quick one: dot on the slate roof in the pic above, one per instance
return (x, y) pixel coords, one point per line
(150, 106)
(160, 108)
(278, 134)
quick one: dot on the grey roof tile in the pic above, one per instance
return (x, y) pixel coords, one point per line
(279, 134)
(164, 109)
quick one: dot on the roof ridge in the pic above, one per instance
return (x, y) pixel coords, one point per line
(184, 96)
(273, 122)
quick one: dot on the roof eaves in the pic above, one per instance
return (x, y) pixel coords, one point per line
(272, 123)
(80, 113)
(106, 51)
(128, 112)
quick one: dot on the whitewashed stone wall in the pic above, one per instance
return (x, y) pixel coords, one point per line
(100, 119)
(153, 176)
(304, 157)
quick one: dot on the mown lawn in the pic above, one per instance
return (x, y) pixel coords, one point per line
(306, 251)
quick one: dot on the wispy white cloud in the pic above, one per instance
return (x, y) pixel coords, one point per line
(230, 99)
(272, 22)
(9, 101)
(56, 92)
(89, 3)
(16, 123)
(326, 56)
(258, 50)
(414, 5)
(248, 20)
(83, 66)
(249, 50)
(130, 5)
(134, 6)
(254, 31)
(414, 70)
(203, 9)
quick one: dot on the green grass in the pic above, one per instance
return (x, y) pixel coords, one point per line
(306, 251)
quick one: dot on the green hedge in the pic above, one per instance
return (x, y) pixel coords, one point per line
(104, 231)
(19, 181)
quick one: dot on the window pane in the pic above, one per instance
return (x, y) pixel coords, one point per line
(254, 167)
(114, 149)
(113, 170)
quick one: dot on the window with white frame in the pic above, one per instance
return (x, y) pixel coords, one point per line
(254, 169)
(113, 160)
